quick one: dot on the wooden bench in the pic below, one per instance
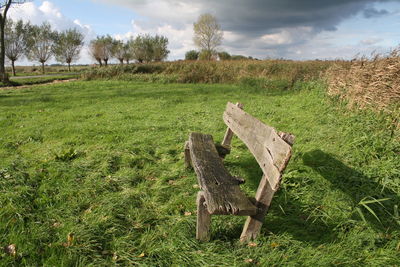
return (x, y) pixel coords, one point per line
(221, 194)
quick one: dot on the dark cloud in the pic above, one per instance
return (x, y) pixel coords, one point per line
(257, 16)
(373, 12)
(260, 25)
(263, 16)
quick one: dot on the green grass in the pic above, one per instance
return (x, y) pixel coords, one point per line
(103, 160)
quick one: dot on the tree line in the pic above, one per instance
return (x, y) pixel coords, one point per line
(40, 43)
(143, 48)
(203, 55)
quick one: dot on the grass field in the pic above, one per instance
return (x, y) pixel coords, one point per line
(92, 174)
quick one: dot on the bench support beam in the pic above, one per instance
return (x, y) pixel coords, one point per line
(253, 224)
(203, 219)
(188, 161)
(229, 133)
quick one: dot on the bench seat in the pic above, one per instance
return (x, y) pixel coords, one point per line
(220, 189)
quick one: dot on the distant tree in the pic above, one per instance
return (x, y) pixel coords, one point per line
(118, 51)
(40, 43)
(15, 41)
(4, 7)
(192, 55)
(206, 55)
(142, 48)
(128, 55)
(137, 49)
(238, 57)
(106, 45)
(68, 46)
(148, 47)
(159, 47)
(207, 34)
(96, 51)
(224, 56)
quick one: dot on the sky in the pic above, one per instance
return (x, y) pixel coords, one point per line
(290, 29)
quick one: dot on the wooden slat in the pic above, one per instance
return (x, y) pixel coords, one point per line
(221, 191)
(269, 149)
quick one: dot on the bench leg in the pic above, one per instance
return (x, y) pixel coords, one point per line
(203, 219)
(188, 161)
(253, 224)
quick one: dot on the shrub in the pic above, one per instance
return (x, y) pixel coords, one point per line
(192, 55)
(205, 55)
(224, 56)
(218, 71)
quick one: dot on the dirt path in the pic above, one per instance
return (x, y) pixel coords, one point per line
(43, 76)
(31, 85)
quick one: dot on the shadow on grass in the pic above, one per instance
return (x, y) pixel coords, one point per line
(358, 187)
(296, 220)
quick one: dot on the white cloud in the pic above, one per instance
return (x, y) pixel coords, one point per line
(180, 39)
(283, 37)
(48, 12)
(370, 41)
(288, 36)
(175, 12)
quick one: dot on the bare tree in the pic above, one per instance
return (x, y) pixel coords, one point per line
(207, 34)
(96, 51)
(15, 41)
(68, 46)
(118, 51)
(4, 7)
(41, 40)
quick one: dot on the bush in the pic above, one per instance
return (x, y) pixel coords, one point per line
(224, 56)
(218, 71)
(205, 55)
(192, 55)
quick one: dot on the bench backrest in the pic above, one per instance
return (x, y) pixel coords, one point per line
(268, 146)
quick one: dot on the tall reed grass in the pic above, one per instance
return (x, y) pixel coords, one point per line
(372, 82)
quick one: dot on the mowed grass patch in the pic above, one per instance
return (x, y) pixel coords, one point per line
(92, 174)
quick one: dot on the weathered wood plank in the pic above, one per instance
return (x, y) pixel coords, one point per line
(203, 219)
(221, 191)
(270, 151)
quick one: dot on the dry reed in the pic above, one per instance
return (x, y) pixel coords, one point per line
(368, 82)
